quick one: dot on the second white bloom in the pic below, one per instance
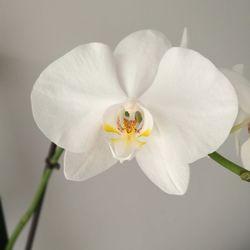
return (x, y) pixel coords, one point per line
(242, 87)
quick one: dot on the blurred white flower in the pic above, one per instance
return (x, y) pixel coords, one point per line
(166, 106)
(242, 87)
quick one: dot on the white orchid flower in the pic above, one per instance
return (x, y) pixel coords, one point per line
(242, 87)
(166, 106)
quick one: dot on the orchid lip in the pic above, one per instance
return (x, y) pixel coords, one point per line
(126, 127)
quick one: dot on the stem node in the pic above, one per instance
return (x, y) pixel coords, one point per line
(245, 176)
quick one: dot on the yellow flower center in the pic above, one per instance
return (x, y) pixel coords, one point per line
(129, 126)
(126, 128)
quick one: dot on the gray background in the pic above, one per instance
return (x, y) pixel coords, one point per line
(120, 209)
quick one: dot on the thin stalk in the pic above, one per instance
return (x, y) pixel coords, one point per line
(231, 166)
(37, 212)
(34, 222)
(43, 184)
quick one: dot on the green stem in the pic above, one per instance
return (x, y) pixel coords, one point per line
(231, 166)
(44, 182)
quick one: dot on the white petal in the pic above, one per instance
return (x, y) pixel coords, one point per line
(239, 68)
(70, 96)
(138, 56)
(245, 154)
(162, 165)
(192, 102)
(82, 166)
(242, 87)
(185, 39)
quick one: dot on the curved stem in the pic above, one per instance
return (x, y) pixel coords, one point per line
(43, 184)
(231, 166)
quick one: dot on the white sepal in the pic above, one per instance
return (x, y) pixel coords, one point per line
(163, 165)
(138, 56)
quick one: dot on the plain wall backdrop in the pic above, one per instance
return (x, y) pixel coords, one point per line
(120, 209)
